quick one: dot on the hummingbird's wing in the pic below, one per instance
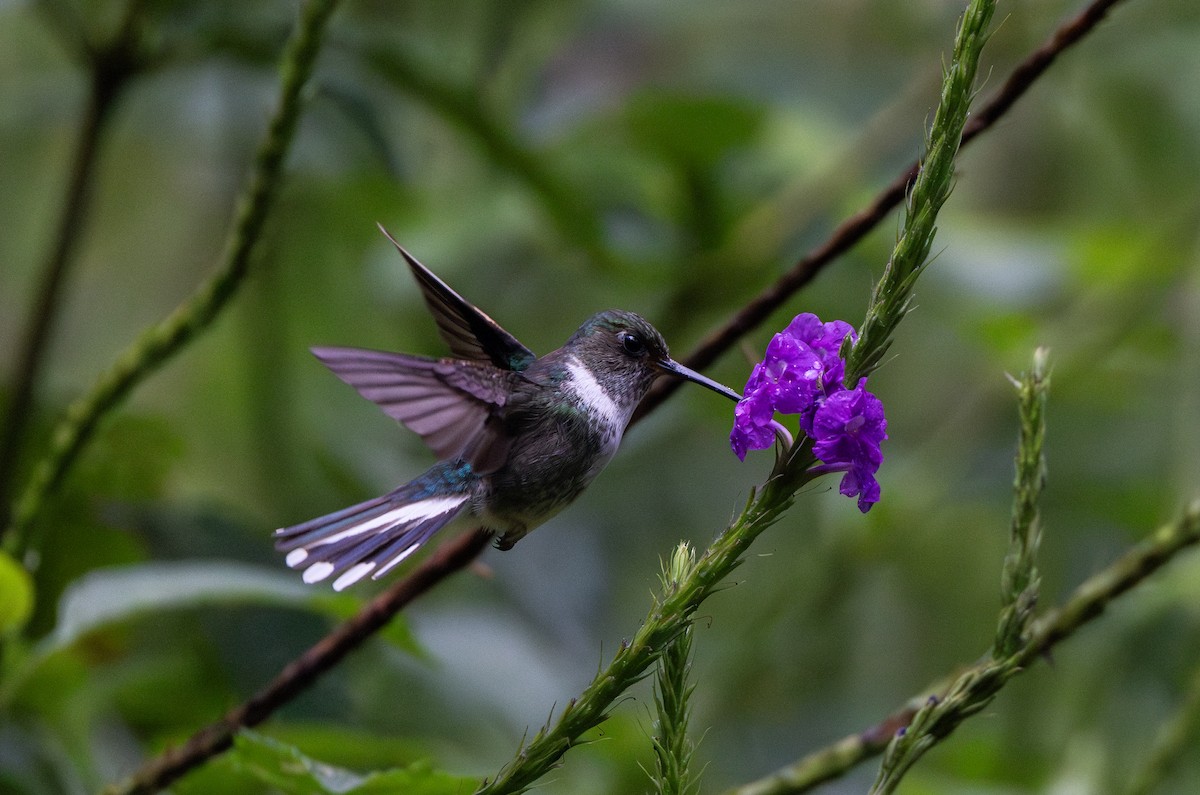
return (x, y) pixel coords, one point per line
(470, 333)
(454, 406)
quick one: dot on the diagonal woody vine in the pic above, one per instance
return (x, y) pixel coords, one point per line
(856, 227)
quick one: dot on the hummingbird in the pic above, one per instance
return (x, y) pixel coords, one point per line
(517, 436)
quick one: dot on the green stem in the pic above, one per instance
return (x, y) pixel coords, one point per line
(664, 623)
(158, 343)
(975, 689)
(935, 178)
(112, 67)
(672, 748)
(1094, 595)
(1020, 581)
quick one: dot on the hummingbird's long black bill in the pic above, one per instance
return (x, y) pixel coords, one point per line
(675, 368)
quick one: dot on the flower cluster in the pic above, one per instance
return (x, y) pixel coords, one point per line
(802, 374)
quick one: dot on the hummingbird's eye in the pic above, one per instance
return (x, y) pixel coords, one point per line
(632, 344)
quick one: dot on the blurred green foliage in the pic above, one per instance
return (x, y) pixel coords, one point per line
(550, 160)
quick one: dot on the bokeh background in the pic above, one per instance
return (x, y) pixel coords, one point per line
(550, 160)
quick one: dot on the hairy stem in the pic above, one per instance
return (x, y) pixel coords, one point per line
(889, 301)
(935, 177)
(975, 689)
(1020, 582)
(662, 626)
(672, 692)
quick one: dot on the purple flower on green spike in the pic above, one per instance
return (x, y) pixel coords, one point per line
(801, 373)
(847, 431)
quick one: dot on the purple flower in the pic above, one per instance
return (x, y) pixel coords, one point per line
(847, 430)
(802, 374)
(752, 418)
(786, 380)
(825, 339)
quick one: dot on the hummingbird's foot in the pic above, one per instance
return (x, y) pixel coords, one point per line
(510, 538)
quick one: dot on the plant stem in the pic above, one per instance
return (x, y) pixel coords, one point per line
(1019, 580)
(160, 342)
(664, 623)
(112, 67)
(975, 689)
(672, 692)
(890, 299)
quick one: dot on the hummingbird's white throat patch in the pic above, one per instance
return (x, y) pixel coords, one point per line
(588, 389)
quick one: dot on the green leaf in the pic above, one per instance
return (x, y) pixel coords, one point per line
(287, 769)
(349, 746)
(108, 596)
(16, 595)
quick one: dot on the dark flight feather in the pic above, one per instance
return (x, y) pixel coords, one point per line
(470, 333)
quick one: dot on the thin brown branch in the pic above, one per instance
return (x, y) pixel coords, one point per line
(111, 68)
(857, 226)
(450, 557)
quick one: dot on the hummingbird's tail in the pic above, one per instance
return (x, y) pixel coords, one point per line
(369, 538)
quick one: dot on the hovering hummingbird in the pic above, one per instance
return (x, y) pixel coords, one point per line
(518, 437)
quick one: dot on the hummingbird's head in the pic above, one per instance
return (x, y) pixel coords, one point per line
(626, 354)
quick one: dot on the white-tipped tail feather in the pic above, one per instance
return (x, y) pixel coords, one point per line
(370, 538)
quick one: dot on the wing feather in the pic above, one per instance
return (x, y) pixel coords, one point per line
(470, 333)
(453, 406)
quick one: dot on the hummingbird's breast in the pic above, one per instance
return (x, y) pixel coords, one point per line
(564, 436)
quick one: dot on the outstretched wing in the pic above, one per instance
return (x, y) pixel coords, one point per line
(469, 332)
(455, 407)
